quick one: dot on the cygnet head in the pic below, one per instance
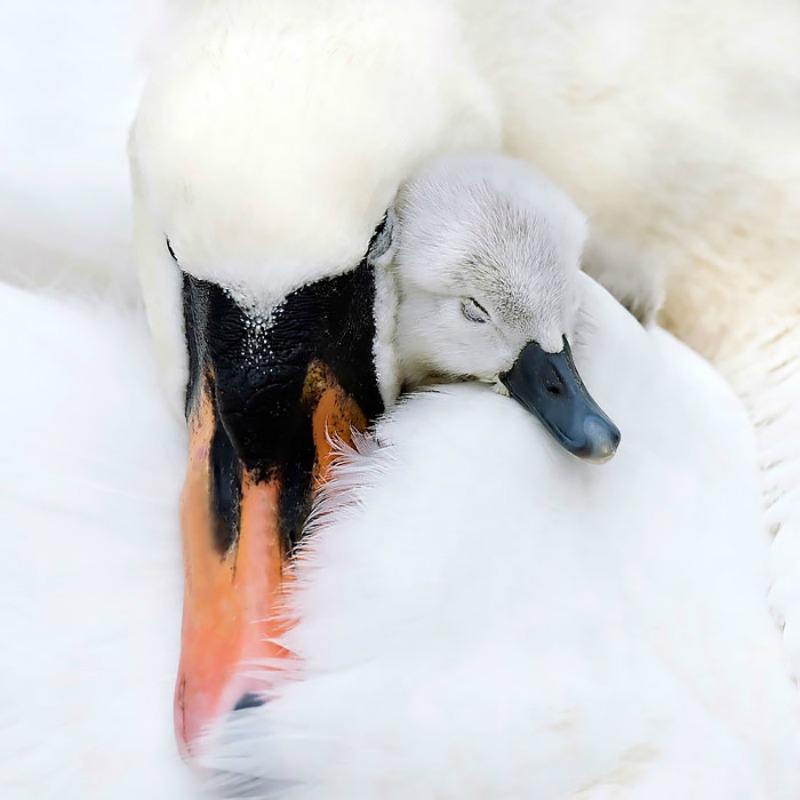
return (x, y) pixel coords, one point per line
(484, 260)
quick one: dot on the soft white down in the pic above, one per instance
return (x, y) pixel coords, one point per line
(673, 126)
(482, 257)
(633, 656)
(482, 616)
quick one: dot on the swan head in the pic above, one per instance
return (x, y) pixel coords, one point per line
(483, 266)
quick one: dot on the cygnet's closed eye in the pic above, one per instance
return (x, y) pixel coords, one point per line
(474, 311)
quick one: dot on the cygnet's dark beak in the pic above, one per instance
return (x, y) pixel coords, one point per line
(548, 385)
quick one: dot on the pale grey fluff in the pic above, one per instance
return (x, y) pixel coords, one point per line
(637, 281)
(483, 258)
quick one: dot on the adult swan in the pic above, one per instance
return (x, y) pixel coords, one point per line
(267, 186)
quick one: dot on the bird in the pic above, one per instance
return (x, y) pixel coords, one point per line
(469, 587)
(476, 282)
(677, 181)
(468, 87)
(243, 205)
(480, 614)
(456, 502)
(269, 384)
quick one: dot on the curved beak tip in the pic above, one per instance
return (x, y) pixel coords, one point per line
(602, 440)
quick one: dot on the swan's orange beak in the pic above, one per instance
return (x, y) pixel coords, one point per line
(231, 604)
(233, 612)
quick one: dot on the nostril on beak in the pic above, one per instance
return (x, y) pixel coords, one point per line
(553, 386)
(249, 700)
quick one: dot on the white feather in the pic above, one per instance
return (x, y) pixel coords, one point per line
(91, 576)
(675, 127)
(671, 125)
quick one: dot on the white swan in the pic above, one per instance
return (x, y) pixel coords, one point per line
(665, 234)
(483, 570)
(267, 219)
(658, 154)
(481, 616)
(673, 680)
(470, 277)
(477, 283)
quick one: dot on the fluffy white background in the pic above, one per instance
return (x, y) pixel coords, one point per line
(70, 79)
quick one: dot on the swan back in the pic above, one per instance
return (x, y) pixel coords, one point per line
(91, 576)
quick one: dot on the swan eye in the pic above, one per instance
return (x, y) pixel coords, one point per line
(473, 310)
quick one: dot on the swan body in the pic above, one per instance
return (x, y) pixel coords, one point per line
(539, 628)
(672, 679)
(684, 146)
(757, 353)
(91, 582)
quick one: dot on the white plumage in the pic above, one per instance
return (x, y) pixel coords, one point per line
(717, 206)
(680, 145)
(482, 617)
(489, 614)
(91, 579)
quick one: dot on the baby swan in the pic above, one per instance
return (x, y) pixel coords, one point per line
(476, 275)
